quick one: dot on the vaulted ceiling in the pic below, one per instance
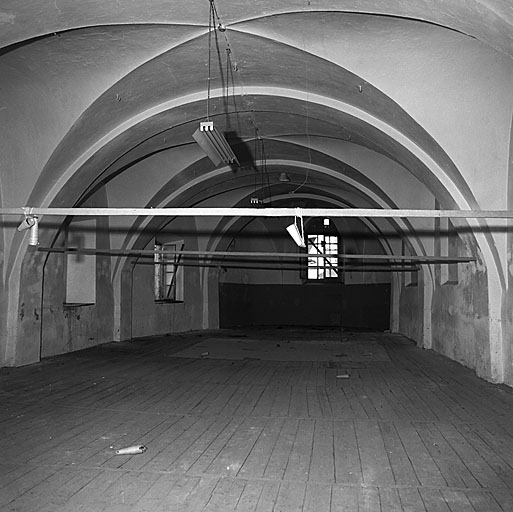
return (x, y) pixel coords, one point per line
(360, 102)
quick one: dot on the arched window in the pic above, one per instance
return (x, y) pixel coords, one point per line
(322, 244)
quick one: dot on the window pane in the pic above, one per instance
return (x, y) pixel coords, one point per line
(312, 273)
(322, 267)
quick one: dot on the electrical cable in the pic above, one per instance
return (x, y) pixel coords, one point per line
(218, 25)
(211, 22)
(234, 67)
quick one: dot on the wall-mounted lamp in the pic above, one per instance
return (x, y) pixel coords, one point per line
(30, 222)
(296, 230)
(214, 144)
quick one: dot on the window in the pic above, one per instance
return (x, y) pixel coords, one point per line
(322, 267)
(168, 272)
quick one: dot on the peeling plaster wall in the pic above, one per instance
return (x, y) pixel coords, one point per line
(3, 294)
(3, 326)
(507, 308)
(45, 325)
(460, 313)
(66, 328)
(507, 316)
(411, 305)
(150, 318)
(27, 348)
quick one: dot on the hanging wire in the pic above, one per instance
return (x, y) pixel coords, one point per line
(211, 23)
(259, 158)
(265, 173)
(216, 20)
(255, 152)
(213, 10)
(227, 89)
(216, 23)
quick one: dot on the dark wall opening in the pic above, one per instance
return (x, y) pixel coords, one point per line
(362, 306)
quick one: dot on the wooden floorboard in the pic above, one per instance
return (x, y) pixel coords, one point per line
(380, 426)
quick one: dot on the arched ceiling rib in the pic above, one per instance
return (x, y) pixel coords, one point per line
(287, 110)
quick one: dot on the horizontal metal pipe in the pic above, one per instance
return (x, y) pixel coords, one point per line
(259, 212)
(297, 268)
(237, 254)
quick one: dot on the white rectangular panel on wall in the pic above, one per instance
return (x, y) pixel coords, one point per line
(81, 268)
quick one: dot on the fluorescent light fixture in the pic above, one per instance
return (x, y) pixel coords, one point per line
(214, 144)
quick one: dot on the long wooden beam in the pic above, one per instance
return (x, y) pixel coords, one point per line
(260, 255)
(260, 212)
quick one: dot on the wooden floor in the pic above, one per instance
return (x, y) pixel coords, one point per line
(379, 425)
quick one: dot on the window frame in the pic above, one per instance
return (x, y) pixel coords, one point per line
(168, 273)
(323, 265)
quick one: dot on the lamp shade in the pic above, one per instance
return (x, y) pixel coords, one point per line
(296, 235)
